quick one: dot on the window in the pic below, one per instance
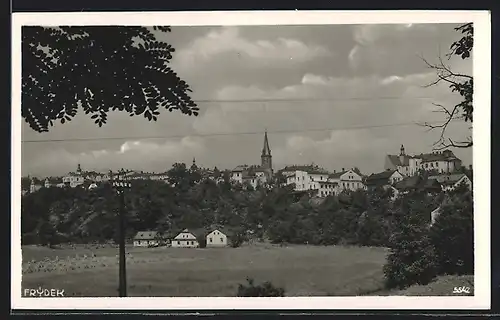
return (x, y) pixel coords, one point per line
(221, 239)
(210, 239)
(178, 242)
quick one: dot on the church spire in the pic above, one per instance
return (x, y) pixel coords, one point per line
(266, 151)
(266, 157)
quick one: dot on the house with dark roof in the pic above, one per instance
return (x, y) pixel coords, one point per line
(148, 239)
(383, 179)
(409, 165)
(418, 183)
(452, 181)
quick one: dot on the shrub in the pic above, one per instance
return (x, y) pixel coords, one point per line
(452, 234)
(202, 241)
(236, 239)
(266, 289)
(412, 257)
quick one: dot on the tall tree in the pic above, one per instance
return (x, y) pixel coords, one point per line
(459, 83)
(100, 69)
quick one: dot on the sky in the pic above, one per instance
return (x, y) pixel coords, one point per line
(344, 96)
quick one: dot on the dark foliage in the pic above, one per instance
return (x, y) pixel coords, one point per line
(266, 289)
(452, 234)
(412, 258)
(100, 69)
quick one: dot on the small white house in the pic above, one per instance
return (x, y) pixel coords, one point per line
(147, 239)
(185, 239)
(216, 238)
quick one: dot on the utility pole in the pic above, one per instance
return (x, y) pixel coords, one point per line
(120, 187)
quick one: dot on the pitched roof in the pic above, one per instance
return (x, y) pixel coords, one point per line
(448, 179)
(417, 182)
(146, 235)
(327, 182)
(446, 155)
(381, 177)
(336, 175)
(240, 168)
(194, 232)
(396, 160)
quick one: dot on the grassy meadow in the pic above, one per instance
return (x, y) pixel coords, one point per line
(301, 270)
(162, 272)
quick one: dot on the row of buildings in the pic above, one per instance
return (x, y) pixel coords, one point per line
(183, 239)
(442, 167)
(400, 172)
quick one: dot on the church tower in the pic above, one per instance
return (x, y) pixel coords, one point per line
(266, 157)
(402, 155)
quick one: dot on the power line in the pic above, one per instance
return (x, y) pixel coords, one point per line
(314, 99)
(229, 134)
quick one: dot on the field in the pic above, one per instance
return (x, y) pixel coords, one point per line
(163, 272)
(301, 270)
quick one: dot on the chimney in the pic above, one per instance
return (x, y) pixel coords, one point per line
(343, 169)
(334, 171)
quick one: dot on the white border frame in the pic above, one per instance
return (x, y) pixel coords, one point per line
(481, 156)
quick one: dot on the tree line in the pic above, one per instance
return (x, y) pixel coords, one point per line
(279, 215)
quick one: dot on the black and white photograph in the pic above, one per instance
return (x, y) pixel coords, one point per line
(266, 157)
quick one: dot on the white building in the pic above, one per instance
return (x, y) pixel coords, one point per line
(409, 165)
(185, 239)
(216, 238)
(347, 180)
(322, 182)
(74, 179)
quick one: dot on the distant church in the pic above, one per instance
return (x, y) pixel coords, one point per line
(254, 174)
(266, 159)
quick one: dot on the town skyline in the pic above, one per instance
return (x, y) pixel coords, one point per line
(343, 103)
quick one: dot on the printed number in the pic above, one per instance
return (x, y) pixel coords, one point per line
(461, 290)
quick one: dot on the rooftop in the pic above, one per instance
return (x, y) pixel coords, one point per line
(146, 235)
(379, 177)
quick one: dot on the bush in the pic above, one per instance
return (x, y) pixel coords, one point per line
(266, 289)
(202, 241)
(452, 234)
(412, 259)
(236, 240)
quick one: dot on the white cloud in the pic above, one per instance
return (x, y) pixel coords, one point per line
(140, 155)
(338, 103)
(387, 48)
(229, 40)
